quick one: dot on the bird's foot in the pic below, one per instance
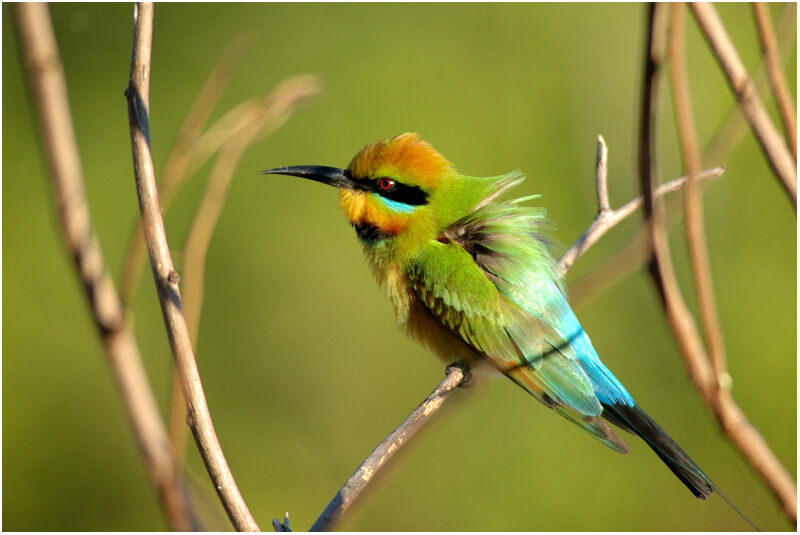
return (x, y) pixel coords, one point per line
(465, 369)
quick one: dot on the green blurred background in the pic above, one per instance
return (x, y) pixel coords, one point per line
(304, 369)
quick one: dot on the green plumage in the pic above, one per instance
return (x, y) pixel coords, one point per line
(471, 284)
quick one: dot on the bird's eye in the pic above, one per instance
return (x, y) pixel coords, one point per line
(386, 184)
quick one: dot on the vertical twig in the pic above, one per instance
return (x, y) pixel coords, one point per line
(693, 203)
(166, 278)
(47, 80)
(733, 421)
(177, 412)
(771, 142)
(601, 176)
(649, 110)
(777, 80)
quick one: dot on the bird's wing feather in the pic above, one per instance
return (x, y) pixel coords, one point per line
(456, 291)
(492, 282)
(506, 242)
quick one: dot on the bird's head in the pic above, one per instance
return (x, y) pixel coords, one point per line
(399, 191)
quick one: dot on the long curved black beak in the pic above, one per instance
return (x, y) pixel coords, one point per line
(333, 176)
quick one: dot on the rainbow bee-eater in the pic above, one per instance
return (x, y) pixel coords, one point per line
(473, 279)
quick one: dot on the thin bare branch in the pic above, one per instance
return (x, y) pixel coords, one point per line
(773, 145)
(166, 278)
(601, 176)
(386, 449)
(732, 419)
(175, 168)
(777, 80)
(732, 130)
(226, 128)
(47, 80)
(693, 202)
(205, 146)
(272, 111)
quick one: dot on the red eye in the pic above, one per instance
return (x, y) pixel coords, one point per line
(386, 184)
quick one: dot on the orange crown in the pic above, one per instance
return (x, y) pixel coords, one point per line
(405, 157)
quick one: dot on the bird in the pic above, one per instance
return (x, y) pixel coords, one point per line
(474, 279)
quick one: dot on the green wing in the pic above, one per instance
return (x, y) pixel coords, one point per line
(459, 295)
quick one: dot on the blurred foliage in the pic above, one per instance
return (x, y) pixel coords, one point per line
(304, 369)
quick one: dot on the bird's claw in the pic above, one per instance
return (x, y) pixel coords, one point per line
(465, 369)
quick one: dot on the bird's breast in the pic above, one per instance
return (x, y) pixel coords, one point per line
(391, 277)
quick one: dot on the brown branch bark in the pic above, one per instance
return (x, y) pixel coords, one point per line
(773, 145)
(732, 130)
(777, 80)
(47, 81)
(166, 278)
(733, 421)
(693, 202)
(384, 451)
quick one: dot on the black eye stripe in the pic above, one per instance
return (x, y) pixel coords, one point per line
(403, 193)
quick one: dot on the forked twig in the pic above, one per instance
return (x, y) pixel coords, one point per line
(606, 218)
(50, 89)
(771, 142)
(733, 421)
(166, 278)
(278, 525)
